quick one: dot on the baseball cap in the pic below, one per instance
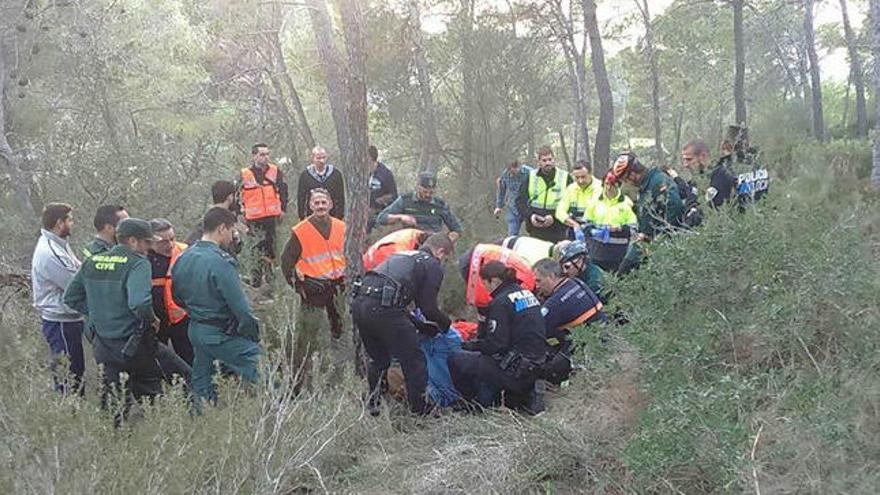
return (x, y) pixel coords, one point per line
(137, 228)
(428, 179)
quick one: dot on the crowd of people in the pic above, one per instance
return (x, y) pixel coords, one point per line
(155, 309)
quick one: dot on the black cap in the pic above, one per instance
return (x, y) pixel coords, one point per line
(428, 179)
(137, 228)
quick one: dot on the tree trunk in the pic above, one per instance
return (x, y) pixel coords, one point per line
(815, 79)
(856, 74)
(739, 78)
(323, 30)
(302, 122)
(655, 82)
(21, 185)
(466, 21)
(875, 49)
(430, 141)
(602, 146)
(286, 117)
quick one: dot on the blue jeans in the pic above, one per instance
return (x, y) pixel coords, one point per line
(65, 338)
(513, 221)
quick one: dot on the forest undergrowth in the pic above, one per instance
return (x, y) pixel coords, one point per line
(750, 362)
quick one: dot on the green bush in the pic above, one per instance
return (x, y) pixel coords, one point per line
(761, 321)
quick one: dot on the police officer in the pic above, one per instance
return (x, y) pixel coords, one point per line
(576, 263)
(542, 195)
(509, 348)
(106, 219)
(379, 311)
(114, 290)
(658, 208)
(568, 304)
(737, 173)
(422, 209)
(222, 325)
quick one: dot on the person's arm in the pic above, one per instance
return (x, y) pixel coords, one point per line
(302, 196)
(501, 192)
(227, 283)
(57, 272)
(497, 338)
(75, 295)
(289, 257)
(392, 213)
(282, 191)
(427, 293)
(139, 289)
(450, 219)
(720, 187)
(562, 208)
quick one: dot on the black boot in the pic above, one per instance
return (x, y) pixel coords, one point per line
(536, 398)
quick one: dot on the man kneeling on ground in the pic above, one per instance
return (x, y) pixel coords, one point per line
(509, 347)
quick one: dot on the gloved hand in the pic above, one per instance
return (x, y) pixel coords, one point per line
(601, 234)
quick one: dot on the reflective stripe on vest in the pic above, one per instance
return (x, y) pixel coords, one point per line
(175, 313)
(322, 259)
(540, 196)
(260, 200)
(399, 240)
(476, 293)
(580, 320)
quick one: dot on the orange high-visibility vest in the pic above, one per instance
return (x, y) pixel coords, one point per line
(323, 259)
(476, 293)
(260, 200)
(395, 242)
(175, 313)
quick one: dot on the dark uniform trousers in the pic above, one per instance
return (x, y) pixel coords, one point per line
(478, 376)
(263, 233)
(143, 370)
(388, 332)
(175, 335)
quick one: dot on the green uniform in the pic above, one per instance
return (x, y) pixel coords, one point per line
(430, 215)
(222, 325)
(659, 205)
(659, 208)
(594, 277)
(97, 246)
(114, 289)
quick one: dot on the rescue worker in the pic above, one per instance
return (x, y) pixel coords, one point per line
(222, 325)
(510, 346)
(611, 221)
(576, 262)
(383, 186)
(476, 294)
(568, 304)
(313, 262)
(223, 196)
(379, 310)
(422, 209)
(577, 198)
(320, 175)
(264, 200)
(514, 178)
(737, 173)
(399, 240)
(542, 195)
(113, 290)
(531, 249)
(173, 320)
(53, 266)
(659, 209)
(106, 219)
